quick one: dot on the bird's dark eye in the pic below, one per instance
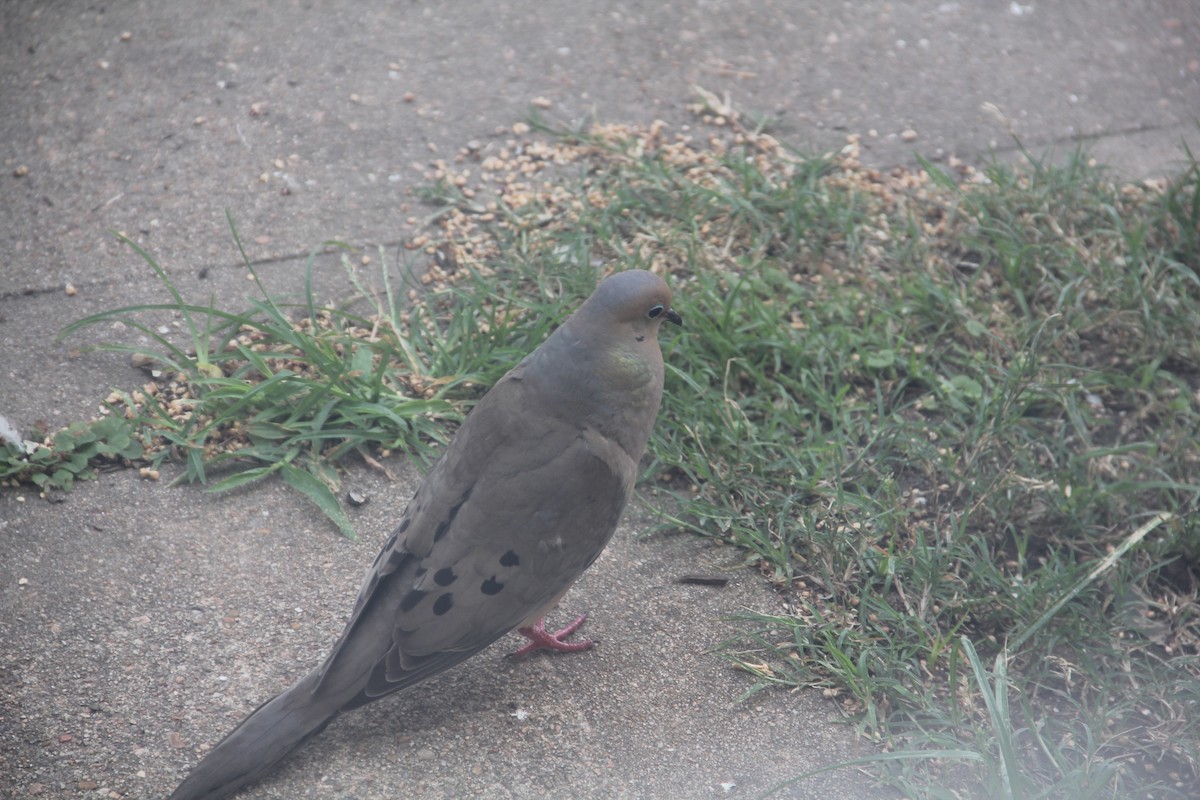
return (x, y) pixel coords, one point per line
(654, 312)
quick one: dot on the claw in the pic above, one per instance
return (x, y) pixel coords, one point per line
(541, 639)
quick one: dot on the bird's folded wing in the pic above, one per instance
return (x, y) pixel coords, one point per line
(516, 509)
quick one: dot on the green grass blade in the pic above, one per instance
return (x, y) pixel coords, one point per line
(1102, 566)
(319, 493)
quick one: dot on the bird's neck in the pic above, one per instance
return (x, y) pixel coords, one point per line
(615, 390)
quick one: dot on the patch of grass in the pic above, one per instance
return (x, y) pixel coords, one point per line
(950, 413)
(929, 405)
(293, 389)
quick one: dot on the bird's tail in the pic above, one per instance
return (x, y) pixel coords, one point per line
(275, 729)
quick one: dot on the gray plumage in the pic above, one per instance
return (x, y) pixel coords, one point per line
(524, 499)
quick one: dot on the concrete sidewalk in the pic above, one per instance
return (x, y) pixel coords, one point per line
(139, 622)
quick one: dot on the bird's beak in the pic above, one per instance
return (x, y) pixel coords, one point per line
(673, 316)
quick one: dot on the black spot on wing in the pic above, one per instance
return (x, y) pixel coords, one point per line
(443, 603)
(404, 523)
(510, 559)
(386, 550)
(411, 599)
(491, 586)
(445, 524)
(444, 576)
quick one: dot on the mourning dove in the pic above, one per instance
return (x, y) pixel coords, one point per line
(524, 499)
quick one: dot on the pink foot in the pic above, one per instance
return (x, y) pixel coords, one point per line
(541, 639)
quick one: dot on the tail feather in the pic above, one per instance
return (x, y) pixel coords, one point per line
(264, 738)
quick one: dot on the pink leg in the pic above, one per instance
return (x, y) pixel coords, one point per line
(541, 639)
